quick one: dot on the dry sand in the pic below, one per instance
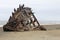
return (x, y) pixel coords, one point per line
(31, 35)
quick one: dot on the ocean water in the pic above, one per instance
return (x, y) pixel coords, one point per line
(49, 22)
(3, 22)
(41, 22)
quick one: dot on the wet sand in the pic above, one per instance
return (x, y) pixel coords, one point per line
(32, 35)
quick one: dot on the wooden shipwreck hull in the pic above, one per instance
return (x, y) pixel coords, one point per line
(22, 19)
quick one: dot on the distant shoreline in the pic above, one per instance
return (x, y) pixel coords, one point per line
(1, 25)
(40, 24)
(47, 26)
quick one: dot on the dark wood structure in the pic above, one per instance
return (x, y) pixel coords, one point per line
(22, 19)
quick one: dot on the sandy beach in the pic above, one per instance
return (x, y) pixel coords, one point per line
(51, 34)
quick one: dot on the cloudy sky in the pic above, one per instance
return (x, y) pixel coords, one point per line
(43, 9)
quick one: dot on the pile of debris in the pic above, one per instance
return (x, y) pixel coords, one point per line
(22, 19)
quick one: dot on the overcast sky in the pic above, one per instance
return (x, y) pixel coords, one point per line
(43, 9)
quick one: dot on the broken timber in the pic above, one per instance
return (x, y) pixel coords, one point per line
(22, 19)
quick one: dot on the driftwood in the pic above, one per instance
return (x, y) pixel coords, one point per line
(22, 19)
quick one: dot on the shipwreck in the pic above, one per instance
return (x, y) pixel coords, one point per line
(22, 19)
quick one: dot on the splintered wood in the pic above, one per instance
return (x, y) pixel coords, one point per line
(22, 19)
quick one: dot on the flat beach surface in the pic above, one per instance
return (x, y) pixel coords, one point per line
(32, 35)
